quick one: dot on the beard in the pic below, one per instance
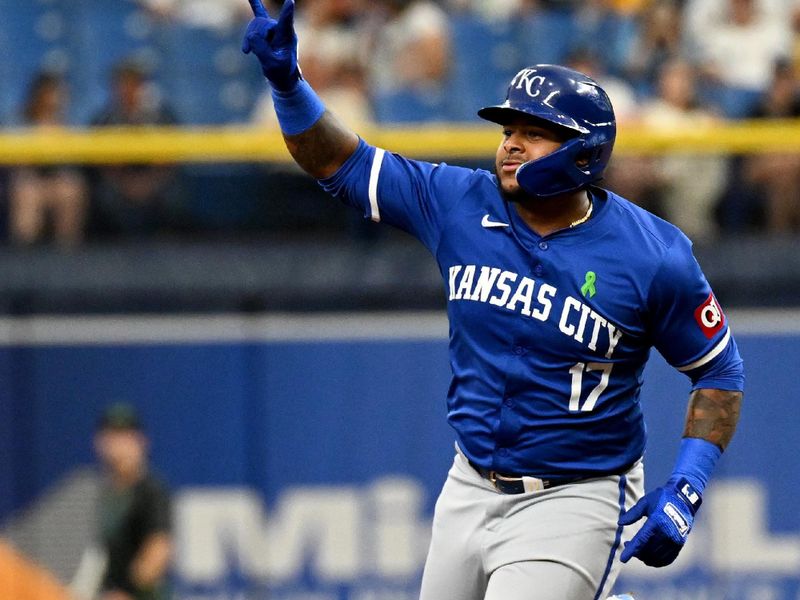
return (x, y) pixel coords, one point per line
(519, 195)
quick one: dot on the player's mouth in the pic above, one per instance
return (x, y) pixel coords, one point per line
(510, 166)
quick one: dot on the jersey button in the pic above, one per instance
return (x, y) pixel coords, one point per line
(503, 452)
(519, 350)
(538, 270)
(543, 245)
(508, 402)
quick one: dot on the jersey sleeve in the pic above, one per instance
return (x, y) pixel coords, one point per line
(412, 195)
(689, 328)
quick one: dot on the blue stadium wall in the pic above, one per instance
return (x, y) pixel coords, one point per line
(305, 454)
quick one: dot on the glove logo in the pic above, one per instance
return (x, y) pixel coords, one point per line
(709, 317)
(677, 518)
(692, 496)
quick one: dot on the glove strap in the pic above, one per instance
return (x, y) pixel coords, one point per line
(696, 460)
(297, 109)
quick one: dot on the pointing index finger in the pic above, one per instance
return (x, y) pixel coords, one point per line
(258, 8)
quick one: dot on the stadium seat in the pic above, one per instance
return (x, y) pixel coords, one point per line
(617, 34)
(735, 103)
(485, 58)
(33, 35)
(207, 77)
(7, 74)
(537, 38)
(410, 106)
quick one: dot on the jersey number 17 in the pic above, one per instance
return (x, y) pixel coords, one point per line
(577, 371)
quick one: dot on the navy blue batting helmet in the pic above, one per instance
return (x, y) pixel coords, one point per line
(572, 101)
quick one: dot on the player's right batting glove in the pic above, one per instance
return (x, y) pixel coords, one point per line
(670, 512)
(274, 42)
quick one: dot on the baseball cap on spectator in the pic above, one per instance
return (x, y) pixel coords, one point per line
(119, 416)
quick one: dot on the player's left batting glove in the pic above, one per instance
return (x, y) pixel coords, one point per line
(274, 42)
(670, 512)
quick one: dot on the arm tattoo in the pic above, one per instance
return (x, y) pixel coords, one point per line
(323, 148)
(712, 415)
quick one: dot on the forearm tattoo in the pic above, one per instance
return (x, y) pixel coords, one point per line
(712, 415)
(323, 148)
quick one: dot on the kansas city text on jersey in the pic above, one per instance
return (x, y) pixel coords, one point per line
(534, 299)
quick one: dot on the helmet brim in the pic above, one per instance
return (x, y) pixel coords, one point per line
(502, 114)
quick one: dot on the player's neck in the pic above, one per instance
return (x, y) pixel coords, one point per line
(544, 216)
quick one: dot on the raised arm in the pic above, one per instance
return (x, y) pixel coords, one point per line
(323, 148)
(317, 141)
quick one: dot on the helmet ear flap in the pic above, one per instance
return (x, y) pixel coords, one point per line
(556, 173)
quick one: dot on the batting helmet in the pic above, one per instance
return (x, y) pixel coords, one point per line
(574, 102)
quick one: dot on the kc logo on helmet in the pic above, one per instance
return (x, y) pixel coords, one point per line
(709, 316)
(533, 85)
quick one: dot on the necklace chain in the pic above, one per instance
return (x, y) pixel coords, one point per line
(585, 217)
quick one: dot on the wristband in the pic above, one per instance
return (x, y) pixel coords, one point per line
(696, 460)
(297, 109)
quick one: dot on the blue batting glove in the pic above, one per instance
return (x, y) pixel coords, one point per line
(274, 42)
(670, 514)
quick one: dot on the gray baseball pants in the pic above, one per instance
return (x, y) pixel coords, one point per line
(560, 543)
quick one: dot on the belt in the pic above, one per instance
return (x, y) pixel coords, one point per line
(519, 484)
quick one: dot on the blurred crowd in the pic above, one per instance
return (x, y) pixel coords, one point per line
(665, 63)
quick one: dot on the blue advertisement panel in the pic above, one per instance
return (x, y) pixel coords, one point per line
(306, 465)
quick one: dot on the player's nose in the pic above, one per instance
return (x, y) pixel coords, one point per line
(513, 143)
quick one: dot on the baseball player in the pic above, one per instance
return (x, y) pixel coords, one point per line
(557, 290)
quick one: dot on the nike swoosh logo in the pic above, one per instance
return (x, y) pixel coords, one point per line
(486, 222)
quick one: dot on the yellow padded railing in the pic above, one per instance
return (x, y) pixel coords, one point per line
(440, 142)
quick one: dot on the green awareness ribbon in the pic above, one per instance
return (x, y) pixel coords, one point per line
(588, 287)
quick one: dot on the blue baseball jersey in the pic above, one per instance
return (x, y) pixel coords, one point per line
(549, 335)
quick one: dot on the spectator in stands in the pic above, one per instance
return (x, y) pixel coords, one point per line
(47, 201)
(489, 10)
(737, 43)
(213, 14)
(135, 199)
(330, 34)
(660, 39)
(134, 511)
(409, 49)
(689, 185)
(777, 175)
(133, 101)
